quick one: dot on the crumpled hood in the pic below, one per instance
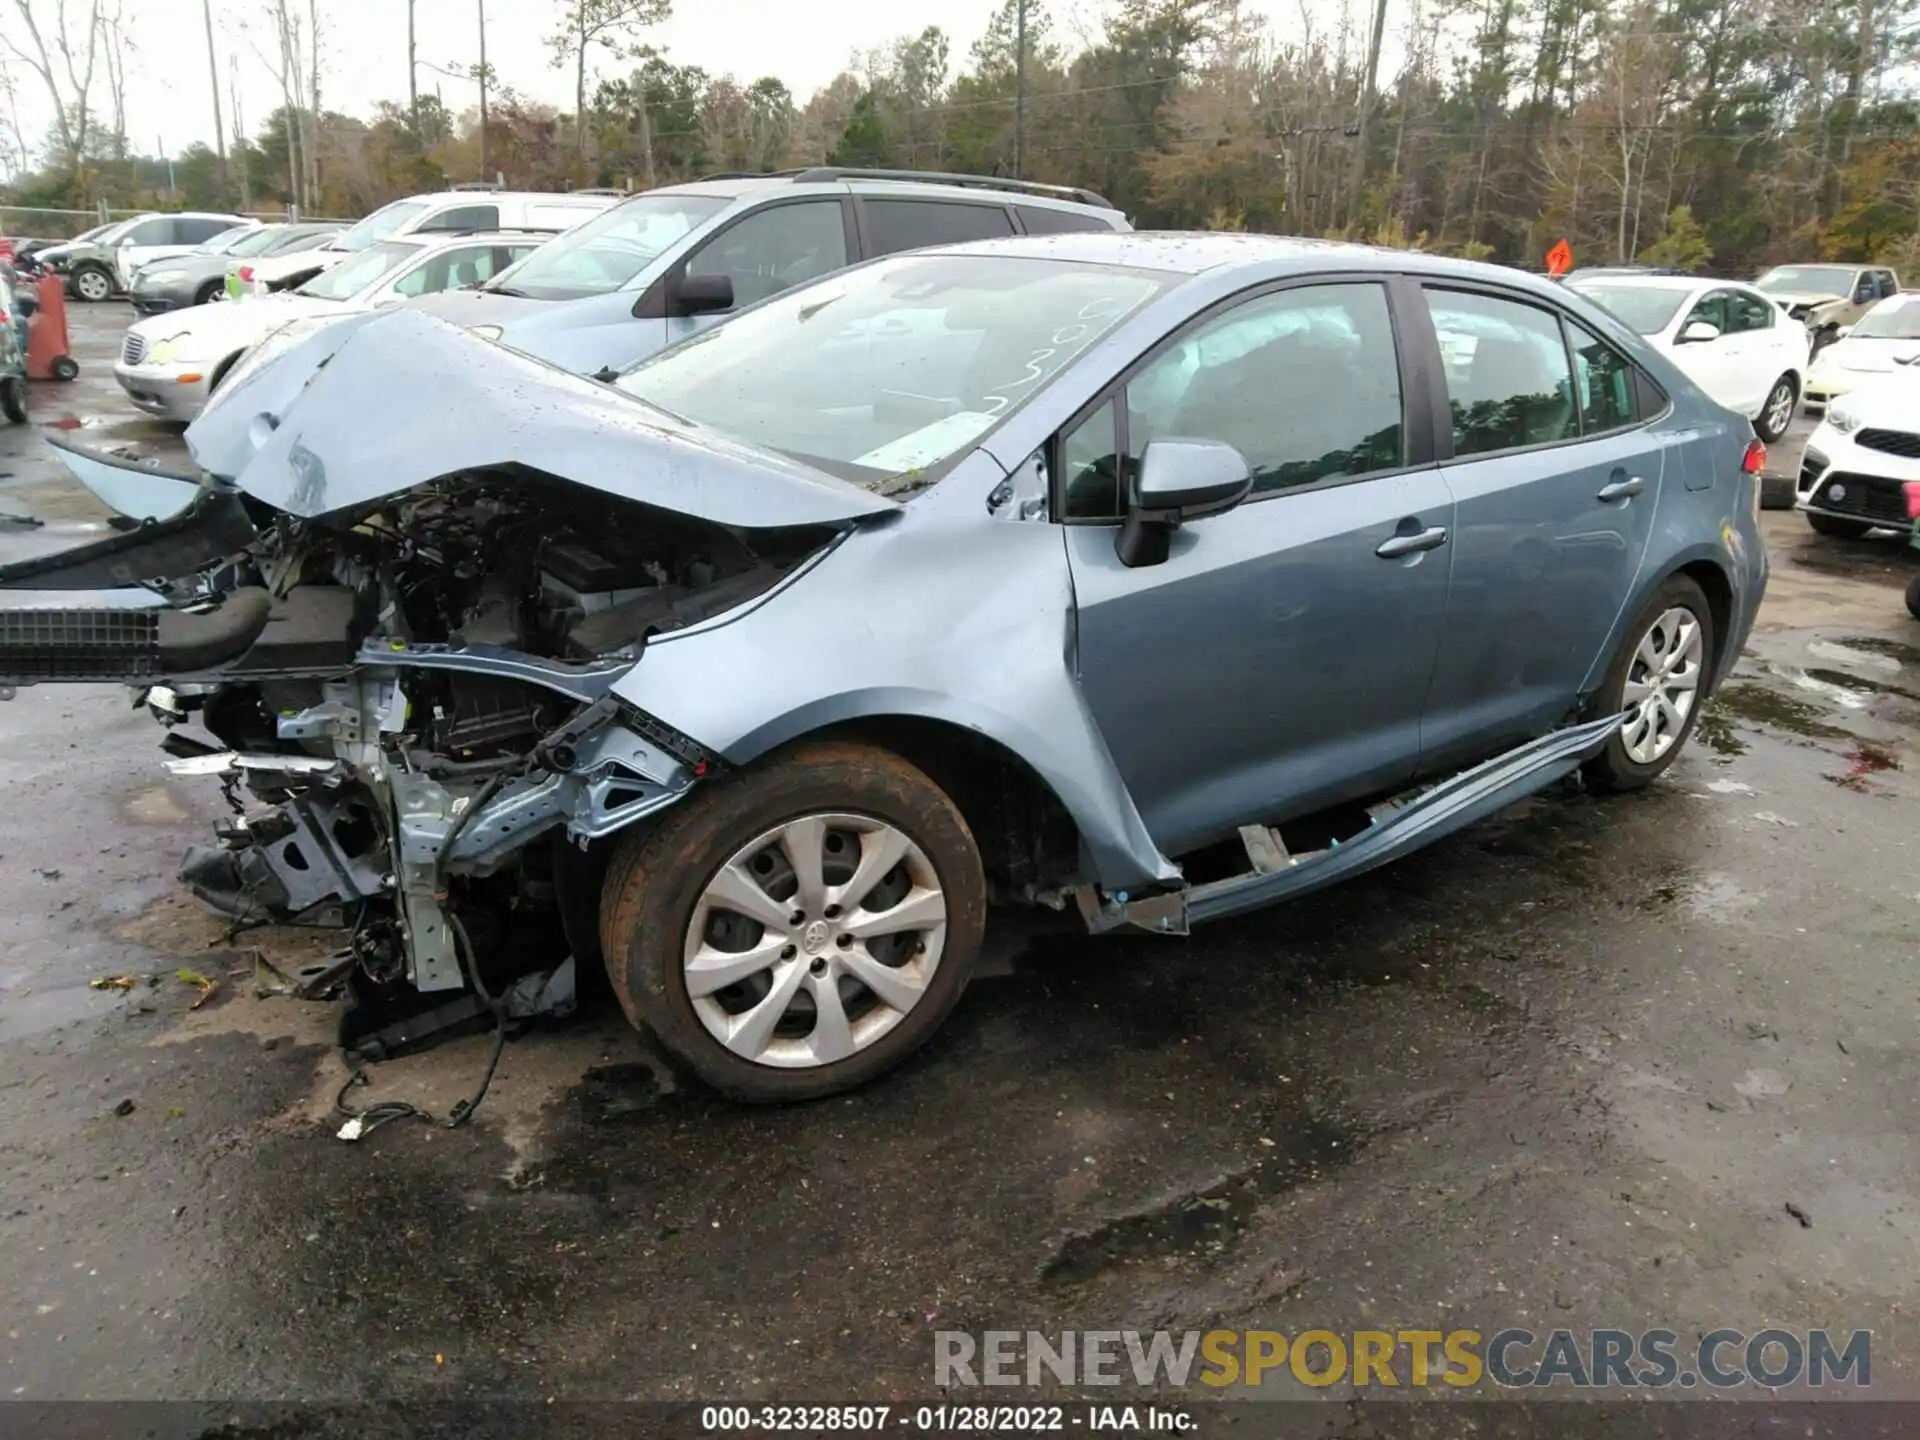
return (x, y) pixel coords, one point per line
(381, 402)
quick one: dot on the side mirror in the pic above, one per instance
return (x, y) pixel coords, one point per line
(700, 295)
(1179, 480)
(1698, 332)
(1843, 332)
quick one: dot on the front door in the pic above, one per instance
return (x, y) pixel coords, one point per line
(767, 251)
(1277, 660)
(1556, 482)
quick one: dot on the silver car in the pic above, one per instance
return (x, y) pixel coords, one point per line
(1132, 581)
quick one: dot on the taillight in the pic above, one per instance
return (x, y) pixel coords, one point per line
(1755, 462)
(246, 272)
(1912, 487)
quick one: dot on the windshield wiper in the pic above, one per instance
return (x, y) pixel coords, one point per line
(505, 290)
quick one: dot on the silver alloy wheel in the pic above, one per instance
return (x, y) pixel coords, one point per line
(91, 284)
(1663, 684)
(816, 972)
(1779, 412)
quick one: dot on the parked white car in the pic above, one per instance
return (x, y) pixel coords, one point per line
(1886, 338)
(1732, 341)
(1860, 459)
(467, 210)
(169, 364)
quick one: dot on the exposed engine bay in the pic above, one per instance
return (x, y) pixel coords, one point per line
(409, 704)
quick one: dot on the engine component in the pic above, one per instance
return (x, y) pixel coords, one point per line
(121, 644)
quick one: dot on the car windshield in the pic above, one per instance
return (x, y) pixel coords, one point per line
(223, 243)
(1643, 309)
(609, 250)
(893, 369)
(1807, 280)
(369, 267)
(257, 241)
(1898, 321)
(379, 225)
(96, 233)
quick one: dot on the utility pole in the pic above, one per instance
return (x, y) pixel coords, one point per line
(413, 74)
(481, 6)
(1019, 87)
(213, 76)
(1359, 178)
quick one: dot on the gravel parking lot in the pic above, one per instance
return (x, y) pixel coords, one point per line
(1642, 1061)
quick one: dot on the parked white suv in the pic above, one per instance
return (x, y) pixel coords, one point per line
(465, 209)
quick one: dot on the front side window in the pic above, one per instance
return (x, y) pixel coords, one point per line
(1508, 380)
(896, 225)
(157, 231)
(1750, 312)
(776, 248)
(1712, 310)
(885, 374)
(372, 265)
(197, 229)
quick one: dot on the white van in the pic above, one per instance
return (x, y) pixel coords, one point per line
(463, 209)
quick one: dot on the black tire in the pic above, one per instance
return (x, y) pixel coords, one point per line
(657, 878)
(13, 399)
(1839, 529)
(1613, 768)
(1769, 434)
(91, 282)
(65, 367)
(1776, 492)
(1913, 597)
(204, 295)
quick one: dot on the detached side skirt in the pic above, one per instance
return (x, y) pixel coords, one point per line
(1397, 830)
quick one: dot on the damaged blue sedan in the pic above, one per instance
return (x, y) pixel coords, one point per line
(1138, 580)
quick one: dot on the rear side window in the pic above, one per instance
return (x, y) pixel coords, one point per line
(1058, 222)
(192, 229)
(464, 217)
(894, 225)
(1509, 383)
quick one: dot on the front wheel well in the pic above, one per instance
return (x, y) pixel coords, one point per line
(1028, 841)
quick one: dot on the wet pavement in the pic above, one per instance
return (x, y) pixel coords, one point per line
(1625, 1062)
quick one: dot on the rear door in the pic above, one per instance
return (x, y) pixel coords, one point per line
(1276, 662)
(1555, 473)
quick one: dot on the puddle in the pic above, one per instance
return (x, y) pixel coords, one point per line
(1763, 706)
(1898, 650)
(1201, 1224)
(1854, 655)
(1859, 684)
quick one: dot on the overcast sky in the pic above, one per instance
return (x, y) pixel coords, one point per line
(363, 42)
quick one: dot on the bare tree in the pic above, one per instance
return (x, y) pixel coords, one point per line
(613, 25)
(113, 52)
(54, 50)
(413, 74)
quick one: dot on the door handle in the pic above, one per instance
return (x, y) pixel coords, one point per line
(1395, 546)
(1621, 489)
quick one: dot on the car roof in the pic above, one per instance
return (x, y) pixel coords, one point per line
(1196, 252)
(842, 182)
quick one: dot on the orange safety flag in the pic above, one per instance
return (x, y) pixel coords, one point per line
(1560, 259)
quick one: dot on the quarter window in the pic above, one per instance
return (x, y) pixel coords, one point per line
(894, 225)
(1606, 383)
(776, 248)
(1509, 383)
